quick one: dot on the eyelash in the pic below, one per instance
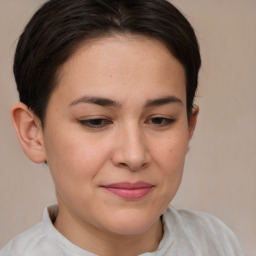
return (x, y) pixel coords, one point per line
(164, 121)
(98, 123)
(95, 123)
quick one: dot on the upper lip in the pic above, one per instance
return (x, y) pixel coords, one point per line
(129, 185)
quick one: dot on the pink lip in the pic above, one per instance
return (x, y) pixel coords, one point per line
(129, 191)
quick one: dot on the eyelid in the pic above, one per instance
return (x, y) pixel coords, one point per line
(168, 121)
(103, 122)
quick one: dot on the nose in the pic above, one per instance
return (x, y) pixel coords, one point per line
(131, 149)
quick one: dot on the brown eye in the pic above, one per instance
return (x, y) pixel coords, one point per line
(95, 123)
(161, 121)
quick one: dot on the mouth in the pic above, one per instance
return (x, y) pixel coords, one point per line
(129, 191)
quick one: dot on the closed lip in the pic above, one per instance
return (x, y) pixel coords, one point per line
(129, 190)
(129, 185)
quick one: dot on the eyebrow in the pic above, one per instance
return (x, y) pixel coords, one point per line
(163, 101)
(96, 100)
(111, 103)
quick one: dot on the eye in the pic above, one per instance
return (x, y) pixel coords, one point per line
(95, 122)
(161, 121)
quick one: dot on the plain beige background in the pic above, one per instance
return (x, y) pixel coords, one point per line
(220, 170)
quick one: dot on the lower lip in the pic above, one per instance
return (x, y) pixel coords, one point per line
(130, 194)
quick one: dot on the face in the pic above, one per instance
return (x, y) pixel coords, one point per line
(116, 134)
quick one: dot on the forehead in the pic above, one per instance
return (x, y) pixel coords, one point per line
(129, 62)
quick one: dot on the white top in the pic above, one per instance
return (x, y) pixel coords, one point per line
(186, 233)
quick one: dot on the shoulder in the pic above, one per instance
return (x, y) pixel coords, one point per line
(25, 242)
(203, 231)
(198, 221)
(32, 242)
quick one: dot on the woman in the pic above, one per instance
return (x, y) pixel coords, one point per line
(106, 100)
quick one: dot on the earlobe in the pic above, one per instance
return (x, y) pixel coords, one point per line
(29, 131)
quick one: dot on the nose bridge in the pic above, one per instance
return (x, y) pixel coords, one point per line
(132, 150)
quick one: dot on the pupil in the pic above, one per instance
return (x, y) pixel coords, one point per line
(96, 122)
(157, 120)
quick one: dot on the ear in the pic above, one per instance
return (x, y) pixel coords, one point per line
(29, 131)
(192, 121)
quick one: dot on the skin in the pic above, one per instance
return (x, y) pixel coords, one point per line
(140, 133)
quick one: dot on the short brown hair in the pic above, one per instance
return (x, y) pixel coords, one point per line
(60, 26)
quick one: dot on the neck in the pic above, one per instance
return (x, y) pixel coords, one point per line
(105, 243)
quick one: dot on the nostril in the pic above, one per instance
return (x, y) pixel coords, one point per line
(123, 164)
(133, 167)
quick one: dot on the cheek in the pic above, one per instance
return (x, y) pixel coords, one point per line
(74, 158)
(168, 164)
(171, 151)
(74, 166)
(172, 168)
(170, 157)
